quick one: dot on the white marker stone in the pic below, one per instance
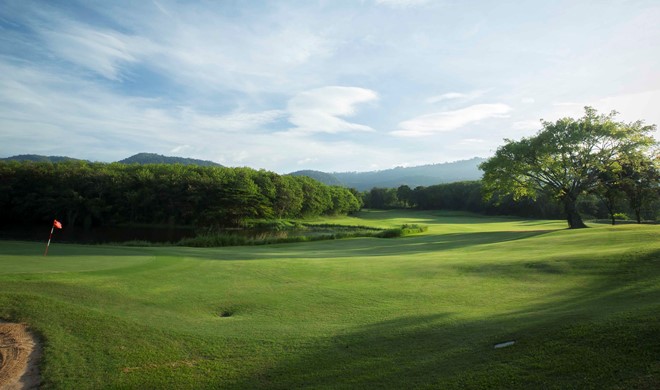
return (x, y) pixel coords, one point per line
(505, 344)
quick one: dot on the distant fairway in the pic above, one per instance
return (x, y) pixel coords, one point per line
(421, 311)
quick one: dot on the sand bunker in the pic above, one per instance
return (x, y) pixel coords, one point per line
(19, 355)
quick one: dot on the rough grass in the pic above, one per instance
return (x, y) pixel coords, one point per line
(422, 311)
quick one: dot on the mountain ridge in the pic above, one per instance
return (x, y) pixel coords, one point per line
(153, 158)
(421, 175)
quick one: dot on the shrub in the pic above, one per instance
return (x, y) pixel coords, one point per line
(404, 230)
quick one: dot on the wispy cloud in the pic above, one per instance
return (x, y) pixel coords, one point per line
(446, 96)
(320, 110)
(459, 96)
(527, 125)
(226, 80)
(402, 3)
(207, 50)
(430, 124)
(234, 122)
(101, 51)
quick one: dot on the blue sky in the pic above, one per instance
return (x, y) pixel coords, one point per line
(327, 85)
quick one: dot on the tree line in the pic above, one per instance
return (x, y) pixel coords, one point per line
(98, 194)
(459, 196)
(468, 196)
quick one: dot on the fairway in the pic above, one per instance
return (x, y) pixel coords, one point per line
(423, 311)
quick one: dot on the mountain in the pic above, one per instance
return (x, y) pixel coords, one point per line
(153, 158)
(39, 158)
(323, 177)
(424, 175)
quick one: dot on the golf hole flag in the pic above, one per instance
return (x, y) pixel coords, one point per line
(56, 224)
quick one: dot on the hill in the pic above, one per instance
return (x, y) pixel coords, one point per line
(424, 175)
(153, 158)
(323, 177)
(39, 158)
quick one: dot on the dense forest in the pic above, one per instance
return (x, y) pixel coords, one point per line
(99, 194)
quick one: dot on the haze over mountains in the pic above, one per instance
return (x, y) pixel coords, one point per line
(424, 175)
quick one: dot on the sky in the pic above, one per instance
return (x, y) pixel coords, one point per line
(327, 85)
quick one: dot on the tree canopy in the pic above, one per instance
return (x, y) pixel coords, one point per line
(93, 194)
(565, 159)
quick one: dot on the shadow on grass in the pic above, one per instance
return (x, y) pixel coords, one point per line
(442, 217)
(367, 247)
(356, 247)
(600, 335)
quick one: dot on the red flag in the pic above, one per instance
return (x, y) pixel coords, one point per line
(57, 224)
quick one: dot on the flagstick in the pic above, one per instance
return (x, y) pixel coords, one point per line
(51, 236)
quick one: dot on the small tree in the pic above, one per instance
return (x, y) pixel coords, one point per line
(565, 158)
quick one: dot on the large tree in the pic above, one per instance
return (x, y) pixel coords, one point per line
(565, 159)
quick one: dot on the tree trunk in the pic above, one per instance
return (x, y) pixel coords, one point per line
(572, 216)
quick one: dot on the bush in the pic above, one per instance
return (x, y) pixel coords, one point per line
(404, 230)
(391, 233)
(621, 216)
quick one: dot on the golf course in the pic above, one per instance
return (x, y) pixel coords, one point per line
(565, 308)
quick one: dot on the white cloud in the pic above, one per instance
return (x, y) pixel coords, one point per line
(566, 104)
(631, 107)
(319, 110)
(402, 3)
(181, 149)
(446, 96)
(450, 120)
(472, 141)
(527, 125)
(75, 118)
(101, 51)
(252, 55)
(109, 79)
(234, 122)
(456, 96)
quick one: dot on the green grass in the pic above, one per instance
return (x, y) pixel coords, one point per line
(422, 311)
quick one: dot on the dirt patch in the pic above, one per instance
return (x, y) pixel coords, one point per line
(19, 357)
